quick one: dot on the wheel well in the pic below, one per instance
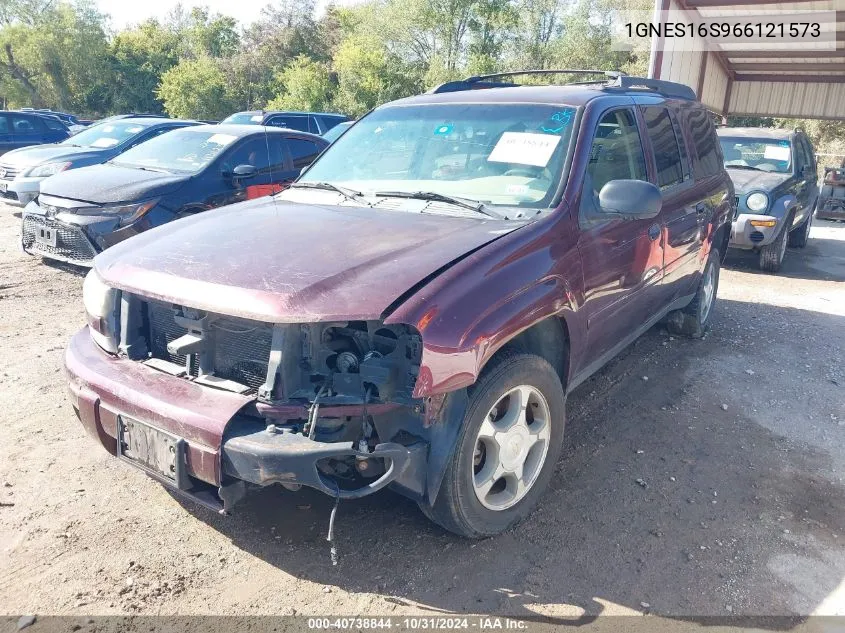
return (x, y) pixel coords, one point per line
(723, 237)
(548, 339)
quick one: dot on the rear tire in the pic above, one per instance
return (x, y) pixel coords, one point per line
(512, 433)
(693, 321)
(798, 238)
(771, 255)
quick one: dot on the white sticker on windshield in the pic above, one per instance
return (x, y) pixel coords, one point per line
(104, 141)
(524, 148)
(257, 117)
(108, 128)
(776, 152)
(134, 129)
(221, 139)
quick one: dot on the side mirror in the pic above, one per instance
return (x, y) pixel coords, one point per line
(630, 199)
(242, 172)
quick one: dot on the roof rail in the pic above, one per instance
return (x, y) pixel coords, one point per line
(612, 80)
(665, 88)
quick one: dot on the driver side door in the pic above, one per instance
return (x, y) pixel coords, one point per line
(622, 259)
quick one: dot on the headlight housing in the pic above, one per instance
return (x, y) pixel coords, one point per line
(128, 213)
(48, 169)
(757, 202)
(101, 309)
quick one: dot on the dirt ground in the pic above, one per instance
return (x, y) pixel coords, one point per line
(738, 440)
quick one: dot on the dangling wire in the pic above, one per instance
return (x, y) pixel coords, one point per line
(330, 537)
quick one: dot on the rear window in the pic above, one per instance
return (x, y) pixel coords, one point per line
(705, 143)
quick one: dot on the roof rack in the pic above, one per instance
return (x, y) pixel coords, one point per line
(612, 80)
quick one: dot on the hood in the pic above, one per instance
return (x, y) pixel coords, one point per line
(746, 180)
(106, 184)
(29, 156)
(295, 263)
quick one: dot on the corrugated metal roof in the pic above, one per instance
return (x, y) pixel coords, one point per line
(789, 80)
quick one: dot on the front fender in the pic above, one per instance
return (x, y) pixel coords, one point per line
(782, 207)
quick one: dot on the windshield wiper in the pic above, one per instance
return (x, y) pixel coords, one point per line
(432, 196)
(349, 194)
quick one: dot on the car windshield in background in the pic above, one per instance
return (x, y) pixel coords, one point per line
(249, 118)
(498, 154)
(764, 154)
(180, 151)
(105, 135)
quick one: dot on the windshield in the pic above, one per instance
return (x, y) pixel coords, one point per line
(248, 118)
(333, 134)
(765, 154)
(180, 151)
(105, 134)
(498, 154)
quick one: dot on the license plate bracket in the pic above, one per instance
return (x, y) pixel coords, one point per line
(158, 453)
(45, 236)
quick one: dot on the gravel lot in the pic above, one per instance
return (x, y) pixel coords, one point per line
(738, 440)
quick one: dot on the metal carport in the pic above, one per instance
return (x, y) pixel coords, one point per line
(784, 80)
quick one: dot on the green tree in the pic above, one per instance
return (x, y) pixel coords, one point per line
(305, 85)
(196, 89)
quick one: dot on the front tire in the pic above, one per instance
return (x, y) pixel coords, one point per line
(771, 255)
(798, 238)
(506, 451)
(693, 321)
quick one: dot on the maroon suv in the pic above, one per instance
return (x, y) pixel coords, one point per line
(413, 311)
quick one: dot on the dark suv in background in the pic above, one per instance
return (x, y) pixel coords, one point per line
(414, 309)
(20, 129)
(312, 122)
(775, 176)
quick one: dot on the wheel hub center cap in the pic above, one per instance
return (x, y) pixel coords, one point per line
(513, 445)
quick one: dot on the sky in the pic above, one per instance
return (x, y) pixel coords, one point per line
(126, 12)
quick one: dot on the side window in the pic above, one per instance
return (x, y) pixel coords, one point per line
(292, 122)
(4, 124)
(705, 145)
(23, 125)
(617, 152)
(302, 152)
(252, 152)
(53, 125)
(667, 153)
(807, 159)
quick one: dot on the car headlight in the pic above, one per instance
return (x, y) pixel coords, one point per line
(101, 309)
(48, 169)
(128, 213)
(757, 202)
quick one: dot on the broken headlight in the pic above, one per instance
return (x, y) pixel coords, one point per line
(101, 310)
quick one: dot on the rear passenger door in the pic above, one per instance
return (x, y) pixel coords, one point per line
(673, 176)
(622, 259)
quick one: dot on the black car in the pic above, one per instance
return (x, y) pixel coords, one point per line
(775, 177)
(22, 170)
(20, 129)
(79, 213)
(313, 122)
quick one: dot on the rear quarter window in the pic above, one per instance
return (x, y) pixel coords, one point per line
(664, 142)
(705, 145)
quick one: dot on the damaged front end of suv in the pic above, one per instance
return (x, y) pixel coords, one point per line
(329, 405)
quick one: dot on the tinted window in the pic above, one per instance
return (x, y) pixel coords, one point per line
(705, 145)
(294, 122)
(4, 125)
(617, 152)
(667, 154)
(806, 152)
(302, 152)
(254, 152)
(24, 125)
(54, 125)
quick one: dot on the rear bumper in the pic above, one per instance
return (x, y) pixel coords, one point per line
(746, 236)
(220, 445)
